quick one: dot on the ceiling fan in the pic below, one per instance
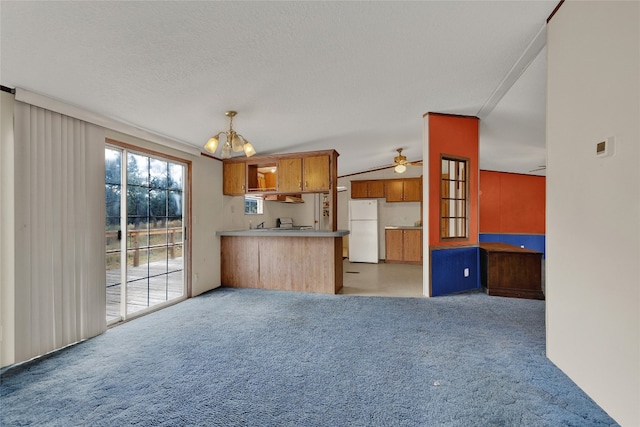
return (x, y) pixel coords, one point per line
(400, 162)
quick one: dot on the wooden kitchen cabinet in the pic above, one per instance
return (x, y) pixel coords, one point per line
(304, 174)
(316, 173)
(404, 190)
(370, 189)
(412, 189)
(395, 190)
(289, 175)
(412, 246)
(233, 179)
(393, 245)
(403, 246)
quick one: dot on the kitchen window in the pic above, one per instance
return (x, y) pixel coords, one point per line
(253, 205)
(454, 198)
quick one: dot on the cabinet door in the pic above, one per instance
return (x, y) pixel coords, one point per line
(412, 243)
(233, 179)
(412, 190)
(289, 175)
(359, 189)
(393, 241)
(375, 189)
(394, 190)
(316, 173)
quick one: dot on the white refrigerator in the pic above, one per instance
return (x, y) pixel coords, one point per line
(363, 231)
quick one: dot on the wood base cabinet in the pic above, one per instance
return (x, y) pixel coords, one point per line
(511, 271)
(403, 245)
(304, 264)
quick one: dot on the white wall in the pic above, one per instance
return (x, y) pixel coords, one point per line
(593, 204)
(206, 212)
(7, 242)
(389, 214)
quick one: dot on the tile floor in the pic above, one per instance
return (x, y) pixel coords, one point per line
(389, 280)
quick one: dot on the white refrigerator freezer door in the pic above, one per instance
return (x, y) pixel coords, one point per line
(363, 209)
(363, 241)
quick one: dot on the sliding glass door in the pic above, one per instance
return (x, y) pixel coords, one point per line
(145, 205)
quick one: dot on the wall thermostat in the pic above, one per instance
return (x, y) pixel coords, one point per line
(604, 148)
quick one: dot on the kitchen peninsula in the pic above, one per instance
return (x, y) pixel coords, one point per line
(305, 260)
(289, 260)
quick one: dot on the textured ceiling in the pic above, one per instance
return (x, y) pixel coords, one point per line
(354, 76)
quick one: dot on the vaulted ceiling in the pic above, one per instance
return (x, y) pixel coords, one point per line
(353, 76)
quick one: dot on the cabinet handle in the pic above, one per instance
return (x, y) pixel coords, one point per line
(299, 185)
(306, 184)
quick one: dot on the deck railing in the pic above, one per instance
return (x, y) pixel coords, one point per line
(135, 247)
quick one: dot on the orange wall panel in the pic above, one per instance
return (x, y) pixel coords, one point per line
(512, 203)
(454, 136)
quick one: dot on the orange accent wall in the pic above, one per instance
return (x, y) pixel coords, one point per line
(512, 203)
(454, 136)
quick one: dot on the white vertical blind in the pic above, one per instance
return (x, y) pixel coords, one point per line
(60, 221)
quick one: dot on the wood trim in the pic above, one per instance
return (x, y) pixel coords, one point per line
(275, 157)
(430, 113)
(555, 10)
(376, 170)
(438, 248)
(188, 219)
(143, 150)
(210, 156)
(189, 233)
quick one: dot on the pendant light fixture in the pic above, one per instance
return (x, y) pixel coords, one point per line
(232, 141)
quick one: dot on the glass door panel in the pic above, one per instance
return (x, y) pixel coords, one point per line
(153, 208)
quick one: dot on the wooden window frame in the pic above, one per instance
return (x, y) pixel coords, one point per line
(467, 163)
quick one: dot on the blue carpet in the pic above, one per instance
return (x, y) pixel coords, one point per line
(245, 357)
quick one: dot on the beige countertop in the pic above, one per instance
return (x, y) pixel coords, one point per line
(402, 227)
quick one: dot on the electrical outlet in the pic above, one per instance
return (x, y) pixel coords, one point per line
(466, 272)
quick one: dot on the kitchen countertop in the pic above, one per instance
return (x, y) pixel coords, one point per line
(266, 232)
(402, 227)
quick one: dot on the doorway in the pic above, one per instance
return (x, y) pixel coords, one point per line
(145, 229)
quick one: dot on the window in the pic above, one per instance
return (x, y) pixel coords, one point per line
(253, 205)
(454, 198)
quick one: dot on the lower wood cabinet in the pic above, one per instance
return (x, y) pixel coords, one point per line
(511, 271)
(403, 245)
(304, 264)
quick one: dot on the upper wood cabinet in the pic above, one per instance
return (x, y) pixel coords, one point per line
(317, 175)
(304, 174)
(404, 190)
(395, 190)
(289, 175)
(311, 172)
(369, 189)
(233, 179)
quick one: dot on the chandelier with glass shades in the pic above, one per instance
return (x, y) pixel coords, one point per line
(232, 141)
